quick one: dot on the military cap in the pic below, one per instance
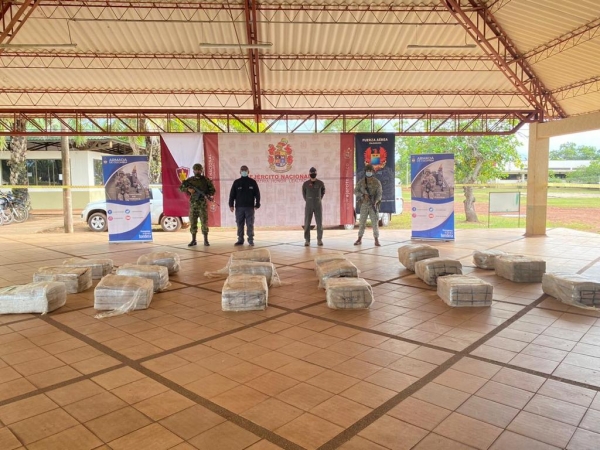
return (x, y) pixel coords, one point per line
(197, 166)
(369, 167)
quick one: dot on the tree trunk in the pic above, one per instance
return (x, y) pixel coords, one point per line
(135, 148)
(18, 163)
(469, 203)
(153, 151)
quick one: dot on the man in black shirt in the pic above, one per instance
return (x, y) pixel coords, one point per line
(245, 196)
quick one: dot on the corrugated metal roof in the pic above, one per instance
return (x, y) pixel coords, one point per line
(327, 50)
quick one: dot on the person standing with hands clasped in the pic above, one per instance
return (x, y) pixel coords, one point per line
(245, 197)
(368, 192)
(200, 189)
(313, 191)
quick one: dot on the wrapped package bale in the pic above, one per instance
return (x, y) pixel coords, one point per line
(520, 269)
(464, 291)
(258, 255)
(158, 274)
(339, 268)
(337, 256)
(245, 293)
(572, 289)
(430, 269)
(348, 293)
(486, 259)
(170, 260)
(41, 297)
(76, 279)
(99, 267)
(123, 294)
(265, 269)
(411, 253)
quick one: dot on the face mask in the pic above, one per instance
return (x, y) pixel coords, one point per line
(313, 175)
(244, 173)
(369, 174)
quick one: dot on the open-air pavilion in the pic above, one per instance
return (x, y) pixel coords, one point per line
(410, 372)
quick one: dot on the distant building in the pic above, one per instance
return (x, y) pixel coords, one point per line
(44, 171)
(560, 169)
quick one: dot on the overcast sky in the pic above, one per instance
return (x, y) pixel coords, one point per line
(591, 138)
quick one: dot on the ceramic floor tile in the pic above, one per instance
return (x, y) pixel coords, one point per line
(393, 433)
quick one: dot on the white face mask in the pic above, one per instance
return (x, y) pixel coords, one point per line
(369, 174)
(244, 173)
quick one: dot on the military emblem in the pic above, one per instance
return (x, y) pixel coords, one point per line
(377, 156)
(182, 173)
(280, 156)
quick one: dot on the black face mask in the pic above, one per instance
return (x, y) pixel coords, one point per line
(313, 175)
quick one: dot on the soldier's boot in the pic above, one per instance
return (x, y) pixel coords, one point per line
(191, 244)
(377, 244)
(358, 241)
(206, 244)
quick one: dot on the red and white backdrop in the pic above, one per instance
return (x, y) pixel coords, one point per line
(278, 162)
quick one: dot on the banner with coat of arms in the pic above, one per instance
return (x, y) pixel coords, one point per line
(379, 150)
(179, 152)
(280, 164)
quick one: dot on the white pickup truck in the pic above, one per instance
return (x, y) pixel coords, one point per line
(95, 214)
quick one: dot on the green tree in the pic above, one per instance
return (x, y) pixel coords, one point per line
(478, 159)
(571, 151)
(586, 175)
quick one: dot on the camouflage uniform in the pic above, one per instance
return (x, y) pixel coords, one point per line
(199, 208)
(370, 187)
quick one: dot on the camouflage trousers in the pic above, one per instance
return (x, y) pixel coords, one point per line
(366, 211)
(198, 210)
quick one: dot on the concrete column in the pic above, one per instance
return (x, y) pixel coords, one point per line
(537, 182)
(66, 181)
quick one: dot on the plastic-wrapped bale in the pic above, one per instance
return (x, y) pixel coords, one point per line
(339, 268)
(328, 257)
(245, 293)
(258, 255)
(99, 267)
(158, 274)
(572, 289)
(170, 260)
(430, 269)
(411, 253)
(41, 297)
(76, 279)
(118, 292)
(486, 259)
(265, 269)
(520, 269)
(464, 291)
(348, 293)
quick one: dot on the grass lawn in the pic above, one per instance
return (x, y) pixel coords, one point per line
(568, 199)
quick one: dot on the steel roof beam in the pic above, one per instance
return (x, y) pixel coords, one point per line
(488, 34)
(12, 21)
(253, 53)
(568, 40)
(576, 89)
(109, 123)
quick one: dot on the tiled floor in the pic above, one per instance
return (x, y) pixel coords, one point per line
(408, 373)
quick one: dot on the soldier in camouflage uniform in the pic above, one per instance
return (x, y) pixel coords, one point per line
(369, 192)
(198, 204)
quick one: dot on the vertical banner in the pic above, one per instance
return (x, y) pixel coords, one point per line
(126, 183)
(280, 163)
(379, 150)
(179, 152)
(432, 196)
